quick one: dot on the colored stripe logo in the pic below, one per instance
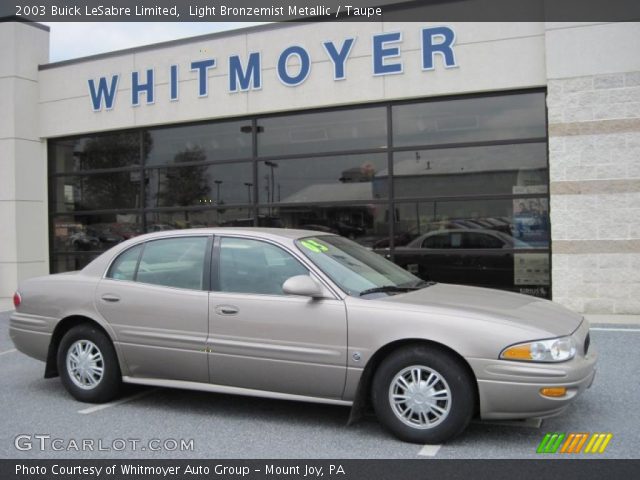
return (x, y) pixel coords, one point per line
(574, 443)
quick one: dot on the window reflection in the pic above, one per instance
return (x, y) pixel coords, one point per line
(489, 243)
(69, 263)
(98, 191)
(366, 224)
(116, 150)
(510, 169)
(160, 221)
(83, 233)
(524, 222)
(470, 119)
(323, 179)
(355, 129)
(199, 185)
(206, 142)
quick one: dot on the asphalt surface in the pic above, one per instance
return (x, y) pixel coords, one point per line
(226, 426)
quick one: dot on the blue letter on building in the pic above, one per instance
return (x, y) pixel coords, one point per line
(305, 66)
(444, 47)
(339, 58)
(137, 87)
(380, 53)
(202, 66)
(104, 91)
(244, 78)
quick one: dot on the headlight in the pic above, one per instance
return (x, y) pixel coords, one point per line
(553, 350)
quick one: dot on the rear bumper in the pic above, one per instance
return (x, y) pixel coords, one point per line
(30, 334)
(34, 344)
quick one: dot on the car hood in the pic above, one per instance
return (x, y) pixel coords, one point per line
(495, 306)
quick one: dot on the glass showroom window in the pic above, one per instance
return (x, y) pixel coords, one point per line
(104, 151)
(330, 131)
(464, 120)
(489, 243)
(199, 185)
(339, 178)
(198, 143)
(454, 189)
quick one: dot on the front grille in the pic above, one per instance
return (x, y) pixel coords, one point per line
(587, 342)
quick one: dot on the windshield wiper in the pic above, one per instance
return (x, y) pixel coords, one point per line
(424, 284)
(386, 288)
(396, 288)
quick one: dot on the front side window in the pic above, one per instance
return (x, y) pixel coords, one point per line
(173, 262)
(252, 266)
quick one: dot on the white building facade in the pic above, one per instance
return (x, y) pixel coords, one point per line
(504, 155)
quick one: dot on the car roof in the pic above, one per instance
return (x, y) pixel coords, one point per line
(98, 265)
(265, 232)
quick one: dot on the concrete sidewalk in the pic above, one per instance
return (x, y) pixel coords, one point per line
(609, 319)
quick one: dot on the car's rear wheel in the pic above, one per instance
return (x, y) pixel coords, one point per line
(88, 365)
(423, 395)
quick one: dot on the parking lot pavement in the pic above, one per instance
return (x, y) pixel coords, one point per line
(226, 426)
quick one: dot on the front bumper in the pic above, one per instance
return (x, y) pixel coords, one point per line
(510, 389)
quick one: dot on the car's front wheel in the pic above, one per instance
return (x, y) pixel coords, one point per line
(423, 395)
(88, 365)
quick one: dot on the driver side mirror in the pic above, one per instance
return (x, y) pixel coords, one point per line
(302, 285)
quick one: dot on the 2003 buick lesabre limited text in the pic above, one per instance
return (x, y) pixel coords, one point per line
(302, 315)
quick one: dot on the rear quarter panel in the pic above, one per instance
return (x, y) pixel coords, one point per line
(46, 301)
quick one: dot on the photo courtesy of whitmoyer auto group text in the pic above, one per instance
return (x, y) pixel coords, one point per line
(305, 239)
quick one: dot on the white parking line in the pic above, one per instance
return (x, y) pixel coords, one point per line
(97, 408)
(605, 329)
(429, 450)
(9, 351)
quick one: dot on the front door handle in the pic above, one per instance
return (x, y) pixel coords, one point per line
(110, 298)
(227, 309)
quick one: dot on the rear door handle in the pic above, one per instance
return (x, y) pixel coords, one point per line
(110, 298)
(227, 309)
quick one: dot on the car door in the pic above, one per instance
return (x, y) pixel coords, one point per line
(263, 339)
(155, 296)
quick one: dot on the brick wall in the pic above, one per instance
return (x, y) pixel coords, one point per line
(594, 160)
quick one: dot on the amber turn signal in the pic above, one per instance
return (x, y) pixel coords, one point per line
(553, 391)
(517, 352)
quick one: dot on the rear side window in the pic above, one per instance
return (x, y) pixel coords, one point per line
(173, 262)
(124, 267)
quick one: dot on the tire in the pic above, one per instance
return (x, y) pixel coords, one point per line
(429, 417)
(96, 386)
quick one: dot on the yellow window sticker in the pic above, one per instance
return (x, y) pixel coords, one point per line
(314, 246)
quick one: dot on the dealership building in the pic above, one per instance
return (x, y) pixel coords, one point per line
(505, 155)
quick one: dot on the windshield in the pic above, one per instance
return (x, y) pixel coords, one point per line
(354, 268)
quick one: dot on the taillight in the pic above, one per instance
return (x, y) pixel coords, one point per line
(17, 300)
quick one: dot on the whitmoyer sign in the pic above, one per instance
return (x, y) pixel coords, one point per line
(293, 67)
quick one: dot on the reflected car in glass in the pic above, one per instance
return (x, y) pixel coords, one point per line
(302, 315)
(474, 256)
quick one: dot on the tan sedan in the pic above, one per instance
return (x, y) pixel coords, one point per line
(303, 315)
